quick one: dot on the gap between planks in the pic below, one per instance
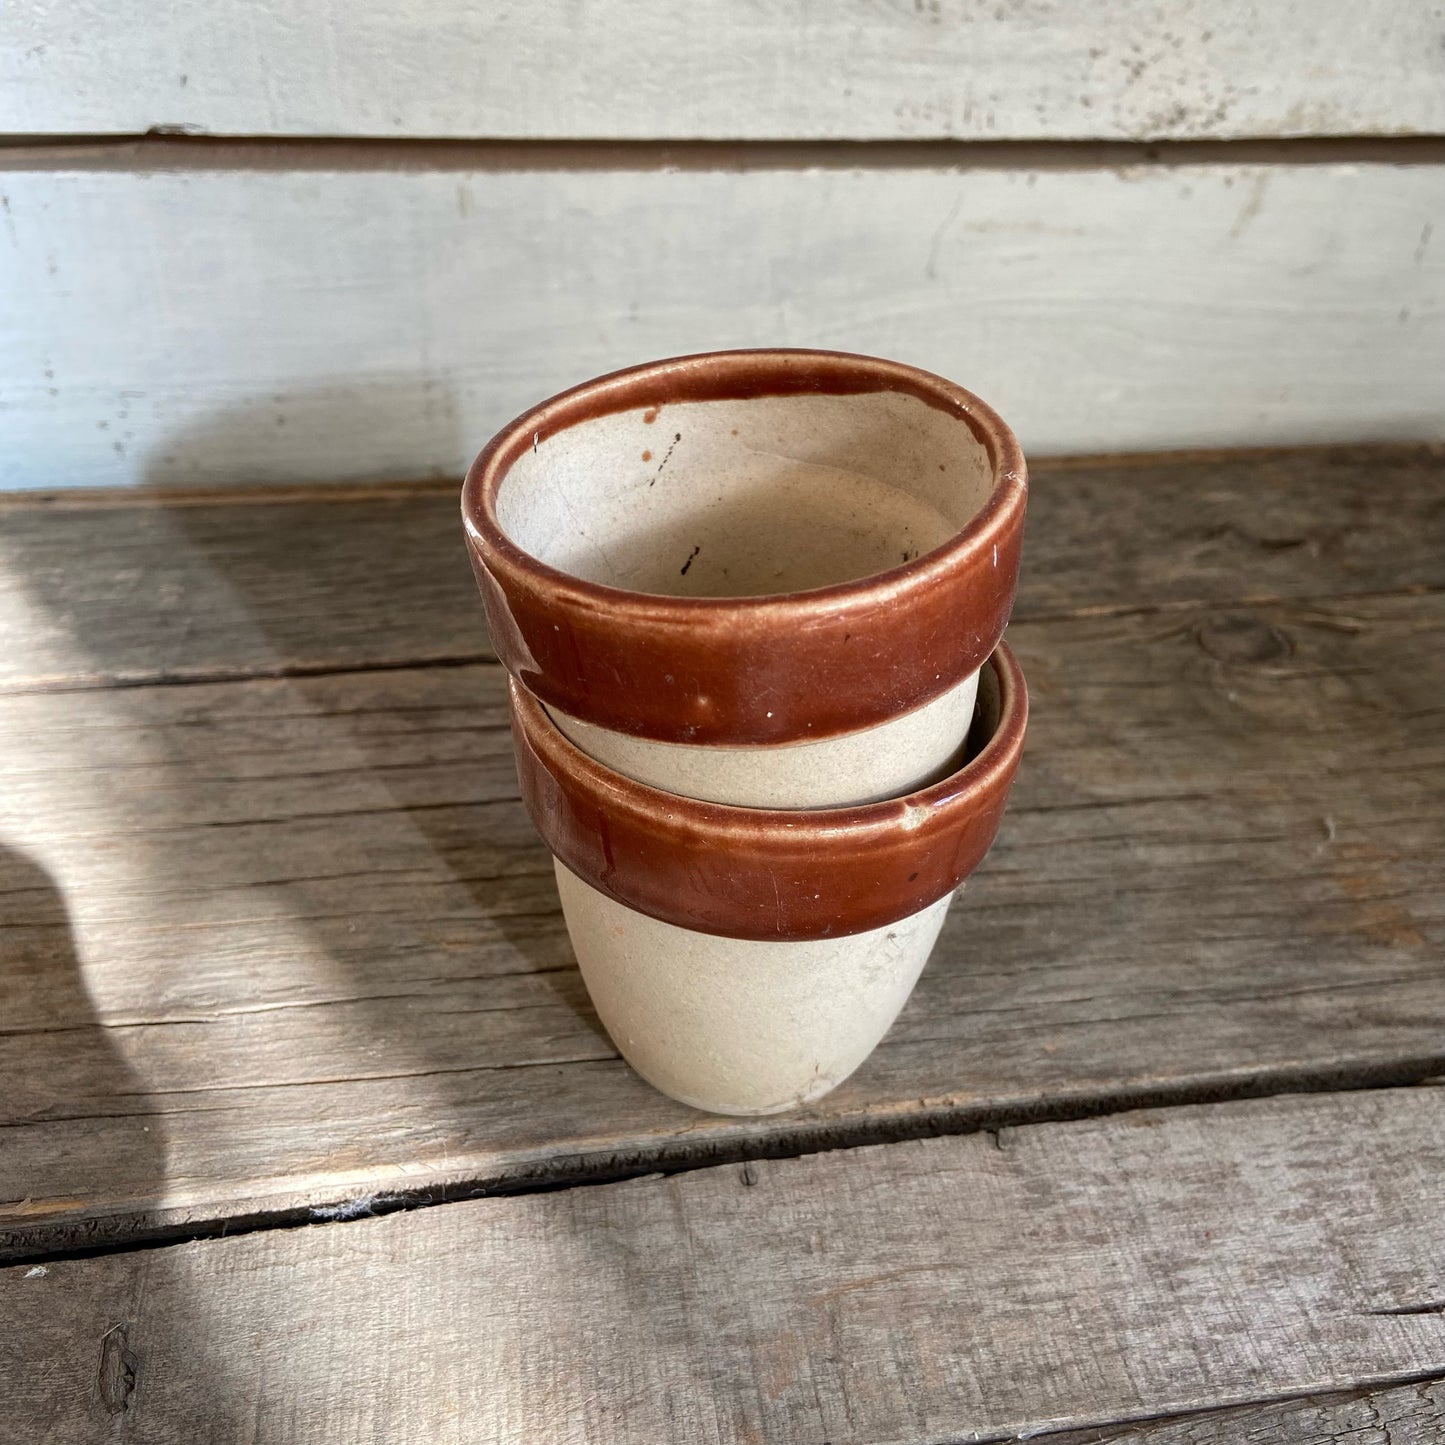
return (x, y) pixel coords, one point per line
(671, 1157)
(161, 150)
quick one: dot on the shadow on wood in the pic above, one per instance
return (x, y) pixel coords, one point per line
(74, 1080)
(358, 749)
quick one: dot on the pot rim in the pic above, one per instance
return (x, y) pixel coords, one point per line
(706, 376)
(767, 873)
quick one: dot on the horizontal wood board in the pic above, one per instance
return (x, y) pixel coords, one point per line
(974, 69)
(186, 326)
(989, 1287)
(289, 943)
(110, 587)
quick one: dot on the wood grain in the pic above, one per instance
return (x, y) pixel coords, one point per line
(748, 68)
(278, 945)
(1412, 1414)
(985, 1288)
(107, 587)
(282, 325)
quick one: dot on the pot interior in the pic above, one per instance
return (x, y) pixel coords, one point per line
(987, 710)
(746, 497)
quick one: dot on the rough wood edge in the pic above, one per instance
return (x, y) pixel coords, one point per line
(1230, 1423)
(924, 1120)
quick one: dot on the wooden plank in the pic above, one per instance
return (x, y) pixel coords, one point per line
(210, 585)
(1411, 1414)
(276, 325)
(275, 946)
(981, 1288)
(729, 68)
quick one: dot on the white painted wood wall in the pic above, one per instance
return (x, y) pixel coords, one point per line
(393, 225)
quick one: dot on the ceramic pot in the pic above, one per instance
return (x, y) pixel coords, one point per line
(747, 960)
(743, 550)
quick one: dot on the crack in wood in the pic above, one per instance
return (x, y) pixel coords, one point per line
(682, 1154)
(260, 672)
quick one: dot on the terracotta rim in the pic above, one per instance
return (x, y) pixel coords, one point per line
(746, 670)
(765, 873)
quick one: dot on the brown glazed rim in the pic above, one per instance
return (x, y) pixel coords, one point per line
(758, 873)
(794, 638)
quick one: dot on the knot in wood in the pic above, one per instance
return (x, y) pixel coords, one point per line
(1241, 639)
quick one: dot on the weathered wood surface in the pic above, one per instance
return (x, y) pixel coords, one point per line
(983, 1288)
(1412, 1414)
(111, 587)
(754, 68)
(281, 944)
(341, 323)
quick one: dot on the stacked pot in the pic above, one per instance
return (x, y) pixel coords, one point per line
(751, 604)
